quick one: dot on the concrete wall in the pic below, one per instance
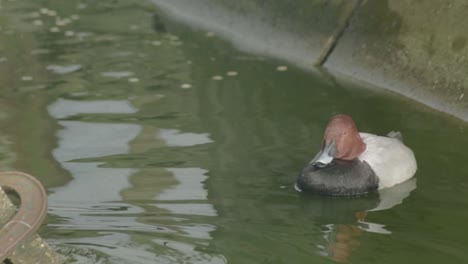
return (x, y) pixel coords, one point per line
(413, 47)
(417, 48)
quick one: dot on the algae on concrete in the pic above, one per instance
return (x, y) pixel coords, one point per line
(417, 48)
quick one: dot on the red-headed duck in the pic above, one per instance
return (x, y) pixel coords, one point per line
(353, 163)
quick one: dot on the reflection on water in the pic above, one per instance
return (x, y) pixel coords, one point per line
(173, 137)
(148, 159)
(91, 182)
(93, 200)
(189, 187)
(63, 108)
(341, 240)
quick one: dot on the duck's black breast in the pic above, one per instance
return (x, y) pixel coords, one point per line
(339, 178)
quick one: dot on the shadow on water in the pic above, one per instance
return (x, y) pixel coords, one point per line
(160, 143)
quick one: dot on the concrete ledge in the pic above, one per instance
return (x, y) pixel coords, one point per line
(389, 44)
(33, 249)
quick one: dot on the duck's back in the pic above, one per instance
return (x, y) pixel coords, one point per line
(389, 158)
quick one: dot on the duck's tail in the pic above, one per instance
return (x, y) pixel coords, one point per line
(395, 134)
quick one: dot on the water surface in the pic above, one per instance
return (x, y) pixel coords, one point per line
(152, 153)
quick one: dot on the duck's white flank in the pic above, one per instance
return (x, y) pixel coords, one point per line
(389, 158)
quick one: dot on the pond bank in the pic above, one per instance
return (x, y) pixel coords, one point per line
(388, 45)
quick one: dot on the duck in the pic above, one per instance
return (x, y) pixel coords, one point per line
(356, 163)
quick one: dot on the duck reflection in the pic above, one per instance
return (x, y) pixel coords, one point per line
(344, 219)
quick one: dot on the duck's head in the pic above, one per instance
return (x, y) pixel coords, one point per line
(341, 141)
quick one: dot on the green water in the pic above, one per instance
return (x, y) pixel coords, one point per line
(141, 170)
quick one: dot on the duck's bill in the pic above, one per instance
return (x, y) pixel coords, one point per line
(325, 156)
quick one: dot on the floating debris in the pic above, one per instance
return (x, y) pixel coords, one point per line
(189, 62)
(282, 68)
(38, 22)
(26, 78)
(186, 86)
(210, 34)
(133, 80)
(51, 13)
(81, 6)
(156, 43)
(461, 96)
(232, 73)
(69, 33)
(82, 35)
(44, 11)
(54, 29)
(3, 59)
(59, 69)
(75, 17)
(116, 74)
(217, 77)
(62, 22)
(173, 38)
